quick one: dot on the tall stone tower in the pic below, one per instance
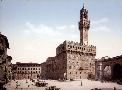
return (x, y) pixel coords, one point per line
(84, 26)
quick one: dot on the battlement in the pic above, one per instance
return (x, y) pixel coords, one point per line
(70, 46)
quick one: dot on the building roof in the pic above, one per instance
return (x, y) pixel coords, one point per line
(110, 59)
(27, 64)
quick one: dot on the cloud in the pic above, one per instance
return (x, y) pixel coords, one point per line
(61, 27)
(40, 29)
(72, 26)
(101, 21)
(100, 25)
(60, 32)
(102, 28)
(31, 26)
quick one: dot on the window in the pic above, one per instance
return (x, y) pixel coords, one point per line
(84, 48)
(70, 73)
(70, 67)
(76, 72)
(80, 72)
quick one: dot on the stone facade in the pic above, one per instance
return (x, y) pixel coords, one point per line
(43, 70)
(26, 70)
(5, 60)
(73, 60)
(109, 68)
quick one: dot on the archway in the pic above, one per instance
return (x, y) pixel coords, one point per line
(117, 72)
(107, 73)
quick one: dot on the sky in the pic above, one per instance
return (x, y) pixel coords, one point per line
(35, 28)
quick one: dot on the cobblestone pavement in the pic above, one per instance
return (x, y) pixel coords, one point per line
(66, 85)
(23, 85)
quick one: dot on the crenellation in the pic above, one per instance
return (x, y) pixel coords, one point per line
(81, 48)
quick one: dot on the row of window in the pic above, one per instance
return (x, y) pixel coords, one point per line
(70, 67)
(79, 48)
(29, 72)
(75, 73)
(29, 68)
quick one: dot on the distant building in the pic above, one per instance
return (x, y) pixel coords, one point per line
(73, 60)
(5, 61)
(26, 70)
(109, 68)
